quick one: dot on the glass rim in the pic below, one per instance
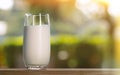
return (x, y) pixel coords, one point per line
(33, 18)
(40, 14)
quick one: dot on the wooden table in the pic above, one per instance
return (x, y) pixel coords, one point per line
(51, 71)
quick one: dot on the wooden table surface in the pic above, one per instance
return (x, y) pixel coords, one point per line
(55, 71)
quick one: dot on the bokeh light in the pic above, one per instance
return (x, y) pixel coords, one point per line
(6, 4)
(3, 28)
(63, 55)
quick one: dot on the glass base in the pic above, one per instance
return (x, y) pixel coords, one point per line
(35, 67)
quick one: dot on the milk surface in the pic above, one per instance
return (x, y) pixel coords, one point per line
(37, 44)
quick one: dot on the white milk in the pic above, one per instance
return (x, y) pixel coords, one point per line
(37, 45)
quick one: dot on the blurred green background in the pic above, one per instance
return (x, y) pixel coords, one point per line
(84, 33)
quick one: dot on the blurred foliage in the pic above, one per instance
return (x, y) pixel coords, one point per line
(15, 41)
(3, 61)
(81, 52)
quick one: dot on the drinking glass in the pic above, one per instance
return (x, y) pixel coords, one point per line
(36, 41)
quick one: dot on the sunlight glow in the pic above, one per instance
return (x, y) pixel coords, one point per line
(6, 4)
(89, 8)
(82, 1)
(114, 7)
(79, 3)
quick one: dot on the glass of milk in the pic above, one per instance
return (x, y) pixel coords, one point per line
(36, 43)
